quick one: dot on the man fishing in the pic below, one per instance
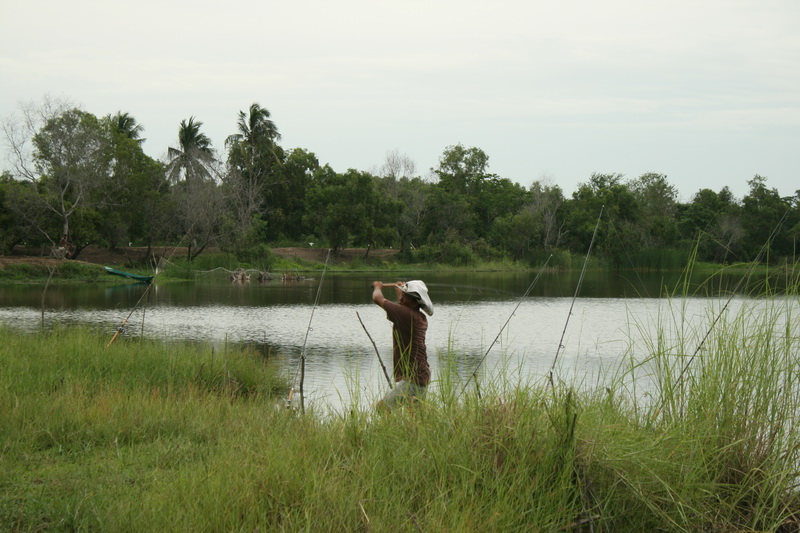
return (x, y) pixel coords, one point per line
(409, 353)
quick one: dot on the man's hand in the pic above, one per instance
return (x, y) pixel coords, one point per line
(377, 293)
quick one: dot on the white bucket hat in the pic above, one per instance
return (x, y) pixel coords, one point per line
(419, 291)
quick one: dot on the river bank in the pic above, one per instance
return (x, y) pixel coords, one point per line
(28, 265)
(141, 255)
(142, 435)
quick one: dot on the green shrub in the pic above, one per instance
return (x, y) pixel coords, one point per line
(24, 272)
(449, 253)
(561, 259)
(82, 271)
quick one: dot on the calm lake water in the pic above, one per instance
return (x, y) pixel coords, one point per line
(614, 316)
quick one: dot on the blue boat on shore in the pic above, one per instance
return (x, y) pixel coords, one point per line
(137, 277)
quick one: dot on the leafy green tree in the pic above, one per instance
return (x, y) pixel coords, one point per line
(135, 212)
(496, 197)
(616, 234)
(72, 159)
(763, 213)
(704, 210)
(517, 234)
(194, 159)
(413, 196)
(13, 232)
(454, 198)
(536, 226)
(406, 197)
(712, 220)
(656, 218)
(793, 223)
(384, 213)
(467, 198)
(326, 211)
(462, 169)
(448, 217)
(286, 198)
(343, 207)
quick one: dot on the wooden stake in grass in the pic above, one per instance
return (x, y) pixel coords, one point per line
(305, 340)
(44, 292)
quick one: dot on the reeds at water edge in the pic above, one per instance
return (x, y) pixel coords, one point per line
(146, 435)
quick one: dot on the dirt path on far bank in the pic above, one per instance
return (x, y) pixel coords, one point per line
(135, 254)
(345, 255)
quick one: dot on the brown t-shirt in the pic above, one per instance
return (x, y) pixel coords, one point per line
(409, 354)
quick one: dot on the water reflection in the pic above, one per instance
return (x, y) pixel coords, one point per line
(341, 363)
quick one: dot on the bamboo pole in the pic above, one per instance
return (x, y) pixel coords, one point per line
(385, 373)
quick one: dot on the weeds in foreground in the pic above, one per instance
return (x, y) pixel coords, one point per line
(149, 436)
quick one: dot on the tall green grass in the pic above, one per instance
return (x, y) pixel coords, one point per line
(154, 437)
(715, 432)
(65, 271)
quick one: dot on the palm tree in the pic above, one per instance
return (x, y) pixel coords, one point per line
(252, 158)
(254, 127)
(125, 124)
(194, 158)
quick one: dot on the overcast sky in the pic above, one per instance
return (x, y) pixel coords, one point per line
(704, 91)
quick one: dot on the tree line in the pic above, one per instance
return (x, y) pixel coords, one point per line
(78, 179)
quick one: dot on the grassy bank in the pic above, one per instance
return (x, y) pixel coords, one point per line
(60, 271)
(176, 266)
(143, 436)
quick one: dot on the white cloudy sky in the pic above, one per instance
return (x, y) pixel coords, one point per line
(704, 91)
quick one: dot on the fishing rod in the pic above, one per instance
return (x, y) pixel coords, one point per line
(575, 296)
(305, 341)
(744, 278)
(121, 327)
(385, 373)
(475, 372)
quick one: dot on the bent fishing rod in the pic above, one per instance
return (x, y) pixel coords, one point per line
(475, 372)
(575, 296)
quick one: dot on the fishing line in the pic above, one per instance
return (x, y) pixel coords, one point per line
(475, 373)
(575, 296)
(305, 341)
(471, 287)
(744, 278)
